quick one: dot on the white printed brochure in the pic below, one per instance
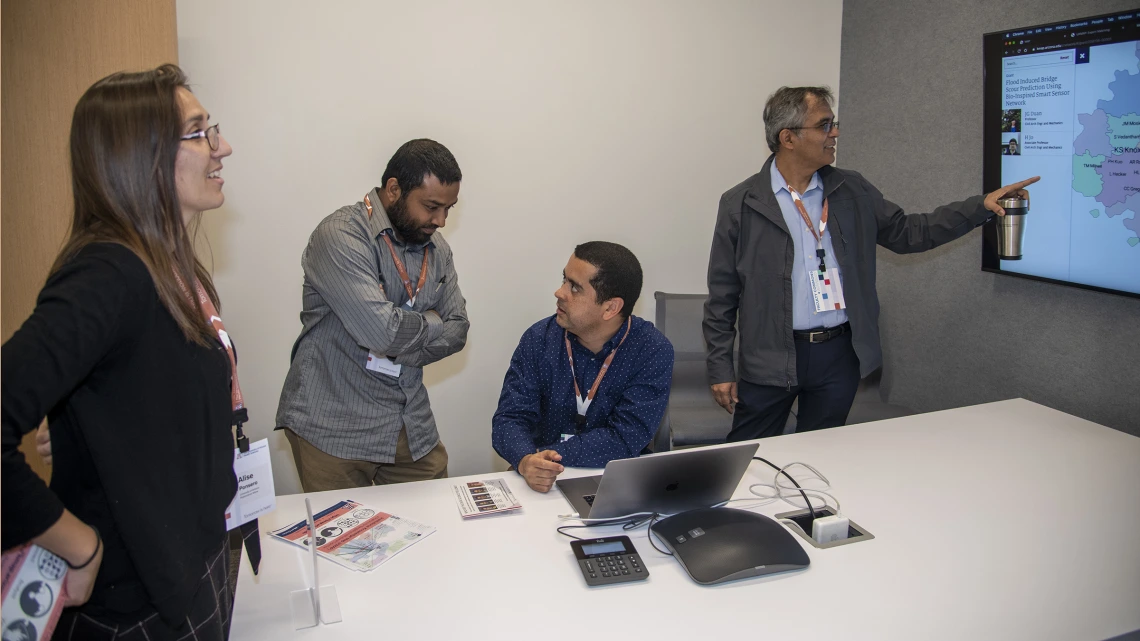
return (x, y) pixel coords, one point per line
(355, 535)
(480, 498)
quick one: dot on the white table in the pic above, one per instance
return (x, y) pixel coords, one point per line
(1008, 520)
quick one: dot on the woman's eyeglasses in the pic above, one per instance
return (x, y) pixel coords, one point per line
(210, 134)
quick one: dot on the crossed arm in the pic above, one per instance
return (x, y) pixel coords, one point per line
(340, 265)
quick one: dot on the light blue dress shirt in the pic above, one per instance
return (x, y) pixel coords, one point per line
(806, 263)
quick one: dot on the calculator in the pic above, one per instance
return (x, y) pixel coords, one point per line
(609, 560)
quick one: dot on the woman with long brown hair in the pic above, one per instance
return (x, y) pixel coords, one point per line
(126, 358)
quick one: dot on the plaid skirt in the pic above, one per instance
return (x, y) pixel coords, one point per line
(209, 618)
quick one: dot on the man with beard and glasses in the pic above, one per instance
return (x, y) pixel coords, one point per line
(380, 301)
(792, 269)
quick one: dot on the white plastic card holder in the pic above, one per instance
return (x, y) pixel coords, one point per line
(827, 290)
(314, 605)
(255, 495)
(383, 365)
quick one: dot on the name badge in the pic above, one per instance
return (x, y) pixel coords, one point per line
(566, 437)
(383, 365)
(826, 290)
(255, 495)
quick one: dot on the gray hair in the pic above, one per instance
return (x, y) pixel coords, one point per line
(787, 108)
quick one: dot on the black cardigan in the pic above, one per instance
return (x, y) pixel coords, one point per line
(140, 429)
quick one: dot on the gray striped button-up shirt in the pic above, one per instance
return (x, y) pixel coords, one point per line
(330, 399)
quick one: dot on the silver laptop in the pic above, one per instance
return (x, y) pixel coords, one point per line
(665, 483)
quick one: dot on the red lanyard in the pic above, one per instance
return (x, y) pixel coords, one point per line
(819, 251)
(215, 321)
(605, 365)
(400, 264)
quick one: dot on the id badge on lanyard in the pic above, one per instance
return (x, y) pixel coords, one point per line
(252, 467)
(583, 406)
(826, 288)
(255, 495)
(582, 403)
(383, 364)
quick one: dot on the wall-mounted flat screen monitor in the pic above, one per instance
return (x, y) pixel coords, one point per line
(1062, 101)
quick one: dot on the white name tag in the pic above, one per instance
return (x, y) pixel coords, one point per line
(383, 365)
(255, 495)
(826, 290)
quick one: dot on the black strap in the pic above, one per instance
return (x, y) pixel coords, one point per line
(241, 416)
(98, 545)
(251, 537)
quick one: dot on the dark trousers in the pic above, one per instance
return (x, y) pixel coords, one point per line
(828, 375)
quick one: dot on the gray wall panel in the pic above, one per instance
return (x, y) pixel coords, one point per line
(911, 108)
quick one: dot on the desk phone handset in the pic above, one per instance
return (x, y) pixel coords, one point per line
(609, 560)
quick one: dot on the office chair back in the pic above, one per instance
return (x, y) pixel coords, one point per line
(692, 417)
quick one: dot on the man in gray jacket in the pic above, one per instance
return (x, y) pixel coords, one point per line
(792, 267)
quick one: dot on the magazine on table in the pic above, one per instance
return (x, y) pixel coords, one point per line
(356, 536)
(480, 498)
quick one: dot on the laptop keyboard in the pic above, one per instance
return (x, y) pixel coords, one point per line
(589, 498)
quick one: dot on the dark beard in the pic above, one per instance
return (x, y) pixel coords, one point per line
(409, 232)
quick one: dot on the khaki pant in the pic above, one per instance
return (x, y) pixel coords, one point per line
(320, 471)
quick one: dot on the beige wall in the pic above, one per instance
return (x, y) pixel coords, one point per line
(51, 52)
(572, 121)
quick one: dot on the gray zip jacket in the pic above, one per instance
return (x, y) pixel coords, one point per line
(750, 269)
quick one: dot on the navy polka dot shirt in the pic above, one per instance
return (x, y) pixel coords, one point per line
(536, 406)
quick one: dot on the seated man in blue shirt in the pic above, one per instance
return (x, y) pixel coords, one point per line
(589, 384)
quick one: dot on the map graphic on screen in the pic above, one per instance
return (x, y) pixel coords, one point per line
(1063, 103)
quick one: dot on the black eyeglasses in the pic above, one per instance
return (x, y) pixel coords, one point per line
(826, 127)
(210, 134)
